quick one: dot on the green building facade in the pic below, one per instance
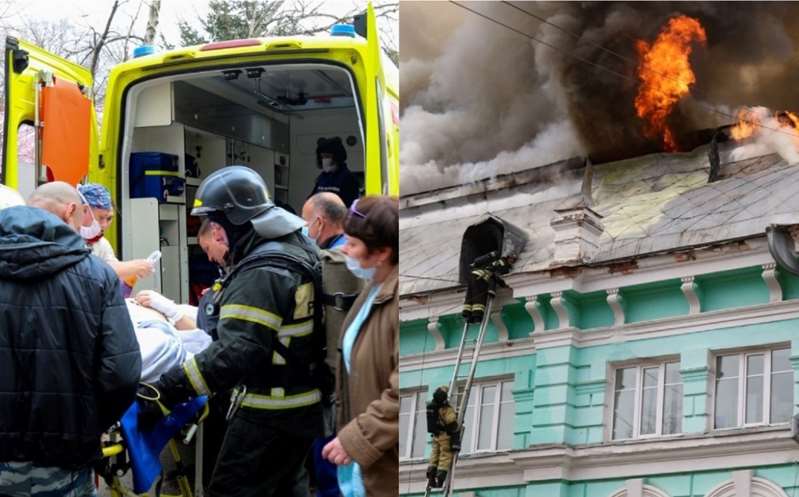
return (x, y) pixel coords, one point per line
(647, 343)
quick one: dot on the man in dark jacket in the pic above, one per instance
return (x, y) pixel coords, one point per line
(331, 158)
(268, 341)
(69, 360)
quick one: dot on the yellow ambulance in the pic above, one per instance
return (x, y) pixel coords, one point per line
(265, 103)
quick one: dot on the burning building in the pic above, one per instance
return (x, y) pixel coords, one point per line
(647, 343)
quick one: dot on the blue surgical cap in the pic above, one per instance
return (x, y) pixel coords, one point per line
(96, 195)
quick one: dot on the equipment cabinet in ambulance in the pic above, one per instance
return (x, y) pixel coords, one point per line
(171, 118)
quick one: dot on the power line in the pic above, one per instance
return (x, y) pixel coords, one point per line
(624, 76)
(428, 278)
(586, 61)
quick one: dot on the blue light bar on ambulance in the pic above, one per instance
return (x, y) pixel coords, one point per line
(343, 30)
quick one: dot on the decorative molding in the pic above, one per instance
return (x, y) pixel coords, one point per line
(649, 269)
(690, 288)
(617, 305)
(773, 284)
(671, 326)
(634, 487)
(563, 308)
(747, 485)
(535, 309)
(709, 452)
(743, 481)
(499, 324)
(446, 358)
(435, 329)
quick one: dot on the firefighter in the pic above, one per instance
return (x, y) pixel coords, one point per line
(268, 342)
(442, 423)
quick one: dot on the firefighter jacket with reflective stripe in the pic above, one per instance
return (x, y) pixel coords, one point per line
(265, 329)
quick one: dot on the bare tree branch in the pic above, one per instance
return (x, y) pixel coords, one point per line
(98, 46)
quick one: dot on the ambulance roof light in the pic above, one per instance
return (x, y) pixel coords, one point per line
(342, 30)
(143, 50)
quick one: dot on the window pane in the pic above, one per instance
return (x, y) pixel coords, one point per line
(468, 423)
(404, 423)
(754, 389)
(649, 401)
(781, 397)
(420, 429)
(486, 418)
(727, 366)
(781, 360)
(624, 403)
(506, 412)
(672, 409)
(673, 373)
(726, 414)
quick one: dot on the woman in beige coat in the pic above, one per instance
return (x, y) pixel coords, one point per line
(366, 446)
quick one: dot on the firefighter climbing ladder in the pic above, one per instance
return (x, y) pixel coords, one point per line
(464, 399)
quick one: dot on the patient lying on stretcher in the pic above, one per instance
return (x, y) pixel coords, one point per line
(164, 344)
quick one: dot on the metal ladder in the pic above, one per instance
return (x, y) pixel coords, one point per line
(464, 400)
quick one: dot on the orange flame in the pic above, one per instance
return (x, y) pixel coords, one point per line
(666, 75)
(750, 120)
(746, 126)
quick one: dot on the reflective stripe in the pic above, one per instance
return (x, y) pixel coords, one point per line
(274, 403)
(251, 314)
(196, 377)
(277, 358)
(296, 330)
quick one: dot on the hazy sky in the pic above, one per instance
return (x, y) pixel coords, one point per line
(94, 13)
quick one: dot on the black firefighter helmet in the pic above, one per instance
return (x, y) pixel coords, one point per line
(241, 195)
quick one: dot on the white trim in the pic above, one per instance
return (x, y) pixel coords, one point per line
(444, 358)
(644, 269)
(690, 289)
(769, 275)
(753, 487)
(558, 303)
(533, 308)
(688, 453)
(666, 327)
(499, 324)
(635, 487)
(435, 330)
(616, 302)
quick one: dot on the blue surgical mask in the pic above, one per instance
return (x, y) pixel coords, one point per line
(304, 231)
(355, 268)
(350, 481)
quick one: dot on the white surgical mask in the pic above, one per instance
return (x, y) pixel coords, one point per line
(360, 272)
(327, 165)
(93, 231)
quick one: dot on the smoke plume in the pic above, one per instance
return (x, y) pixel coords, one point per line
(479, 100)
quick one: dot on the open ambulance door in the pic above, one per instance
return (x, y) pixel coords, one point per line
(381, 170)
(50, 98)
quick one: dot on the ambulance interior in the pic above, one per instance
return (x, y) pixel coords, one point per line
(179, 129)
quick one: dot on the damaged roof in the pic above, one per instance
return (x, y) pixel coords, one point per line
(651, 204)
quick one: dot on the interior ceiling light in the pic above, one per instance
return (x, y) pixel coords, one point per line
(231, 74)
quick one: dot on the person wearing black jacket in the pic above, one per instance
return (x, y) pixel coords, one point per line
(331, 158)
(268, 344)
(69, 359)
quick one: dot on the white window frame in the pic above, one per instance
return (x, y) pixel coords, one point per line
(412, 421)
(477, 395)
(743, 373)
(639, 398)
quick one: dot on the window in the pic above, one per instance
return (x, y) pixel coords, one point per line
(488, 424)
(413, 425)
(753, 388)
(647, 401)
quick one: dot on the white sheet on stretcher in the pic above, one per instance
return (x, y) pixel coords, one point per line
(163, 347)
